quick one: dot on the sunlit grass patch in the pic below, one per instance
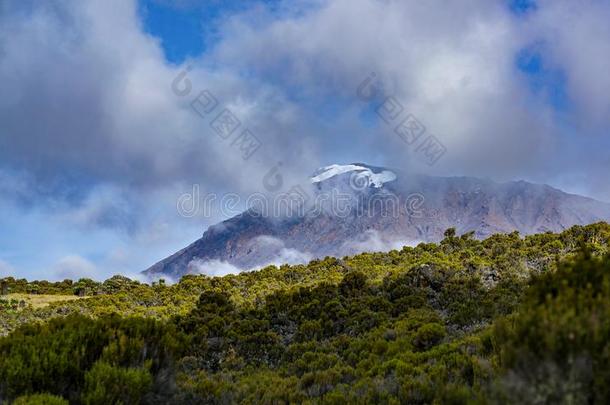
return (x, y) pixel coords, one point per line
(38, 300)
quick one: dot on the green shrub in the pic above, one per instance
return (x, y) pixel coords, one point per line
(456, 322)
(428, 336)
(557, 346)
(107, 384)
(40, 399)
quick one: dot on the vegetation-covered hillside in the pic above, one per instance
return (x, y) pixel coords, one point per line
(504, 320)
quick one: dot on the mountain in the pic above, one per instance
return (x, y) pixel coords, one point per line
(348, 209)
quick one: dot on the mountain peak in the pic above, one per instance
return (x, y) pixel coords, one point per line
(359, 173)
(382, 211)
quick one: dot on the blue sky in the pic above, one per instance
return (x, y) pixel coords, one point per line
(187, 29)
(95, 148)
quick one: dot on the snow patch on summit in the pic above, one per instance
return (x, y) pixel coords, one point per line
(374, 179)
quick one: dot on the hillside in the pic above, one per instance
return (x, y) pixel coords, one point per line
(505, 319)
(349, 208)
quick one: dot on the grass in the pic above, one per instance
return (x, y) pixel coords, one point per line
(39, 300)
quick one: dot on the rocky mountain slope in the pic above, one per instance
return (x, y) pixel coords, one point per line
(354, 208)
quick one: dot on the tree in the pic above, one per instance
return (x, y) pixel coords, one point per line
(450, 233)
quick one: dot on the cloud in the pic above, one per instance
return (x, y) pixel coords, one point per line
(272, 251)
(6, 269)
(292, 256)
(574, 39)
(452, 65)
(94, 139)
(74, 267)
(374, 241)
(455, 66)
(212, 268)
(103, 106)
(93, 95)
(279, 253)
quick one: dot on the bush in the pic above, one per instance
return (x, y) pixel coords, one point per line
(408, 326)
(428, 336)
(40, 399)
(107, 384)
(557, 345)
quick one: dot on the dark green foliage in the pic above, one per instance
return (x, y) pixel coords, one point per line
(464, 321)
(12, 285)
(428, 336)
(557, 346)
(108, 384)
(58, 356)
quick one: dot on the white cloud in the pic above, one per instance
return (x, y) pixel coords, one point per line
(575, 38)
(6, 269)
(103, 104)
(279, 252)
(74, 267)
(272, 250)
(374, 241)
(105, 98)
(89, 92)
(212, 268)
(451, 64)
